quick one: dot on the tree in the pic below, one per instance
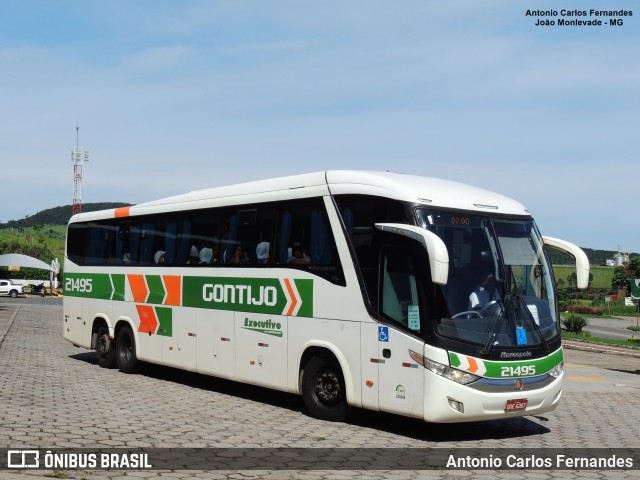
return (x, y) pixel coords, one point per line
(573, 279)
(622, 275)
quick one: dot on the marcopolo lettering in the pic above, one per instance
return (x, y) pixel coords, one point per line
(240, 294)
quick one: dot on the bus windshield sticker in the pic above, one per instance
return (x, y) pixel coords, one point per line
(521, 336)
(414, 317)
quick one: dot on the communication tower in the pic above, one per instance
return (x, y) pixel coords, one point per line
(77, 157)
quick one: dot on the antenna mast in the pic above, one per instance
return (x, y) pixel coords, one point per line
(77, 157)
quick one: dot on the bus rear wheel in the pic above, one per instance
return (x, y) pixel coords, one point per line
(105, 349)
(126, 351)
(323, 389)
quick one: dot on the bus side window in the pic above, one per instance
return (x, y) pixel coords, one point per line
(98, 243)
(123, 243)
(77, 242)
(399, 300)
(360, 213)
(303, 225)
(243, 230)
(198, 238)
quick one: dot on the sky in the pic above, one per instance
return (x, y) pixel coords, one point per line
(173, 96)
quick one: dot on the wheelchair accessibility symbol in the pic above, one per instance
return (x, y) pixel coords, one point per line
(383, 334)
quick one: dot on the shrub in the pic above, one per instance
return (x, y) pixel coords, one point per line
(584, 309)
(574, 323)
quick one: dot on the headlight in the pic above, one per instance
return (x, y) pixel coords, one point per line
(445, 371)
(556, 371)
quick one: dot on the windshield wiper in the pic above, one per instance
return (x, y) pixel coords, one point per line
(497, 325)
(532, 323)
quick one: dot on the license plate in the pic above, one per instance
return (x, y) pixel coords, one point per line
(516, 405)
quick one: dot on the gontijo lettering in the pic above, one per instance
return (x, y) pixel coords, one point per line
(270, 296)
(240, 294)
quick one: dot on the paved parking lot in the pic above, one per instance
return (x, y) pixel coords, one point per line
(53, 395)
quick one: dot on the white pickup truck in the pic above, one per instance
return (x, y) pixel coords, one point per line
(7, 287)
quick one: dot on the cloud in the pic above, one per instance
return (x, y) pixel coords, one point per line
(158, 58)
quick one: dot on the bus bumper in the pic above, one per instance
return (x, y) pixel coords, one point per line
(462, 403)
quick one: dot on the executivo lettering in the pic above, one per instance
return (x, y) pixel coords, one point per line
(268, 327)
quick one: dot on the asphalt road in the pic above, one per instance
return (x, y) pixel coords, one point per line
(612, 328)
(53, 395)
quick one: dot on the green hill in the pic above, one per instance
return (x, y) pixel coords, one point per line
(58, 215)
(596, 257)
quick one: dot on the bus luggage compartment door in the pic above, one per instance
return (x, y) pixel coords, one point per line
(261, 349)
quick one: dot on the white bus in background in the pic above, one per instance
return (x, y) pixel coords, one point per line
(351, 288)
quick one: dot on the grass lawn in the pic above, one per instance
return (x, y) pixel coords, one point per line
(607, 341)
(601, 275)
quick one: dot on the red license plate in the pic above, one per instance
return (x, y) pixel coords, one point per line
(516, 405)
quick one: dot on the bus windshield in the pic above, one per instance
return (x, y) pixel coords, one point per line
(500, 289)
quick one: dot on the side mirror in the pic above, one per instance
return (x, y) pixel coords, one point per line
(582, 262)
(436, 249)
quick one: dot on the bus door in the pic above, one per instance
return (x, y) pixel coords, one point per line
(401, 379)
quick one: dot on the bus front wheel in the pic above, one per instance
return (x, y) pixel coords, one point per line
(126, 351)
(323, 389)
(105, 349)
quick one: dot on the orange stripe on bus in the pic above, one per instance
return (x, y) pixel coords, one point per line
(148, 321)
(138, 288)
(122, 212)
(172, 286)
(294, 300)
(473, 366)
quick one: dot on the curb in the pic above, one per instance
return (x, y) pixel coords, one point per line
(4, 332)
(600, 348)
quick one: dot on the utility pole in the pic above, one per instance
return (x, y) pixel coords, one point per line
(77, 157)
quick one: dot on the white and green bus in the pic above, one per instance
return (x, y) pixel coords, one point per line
(417, 296)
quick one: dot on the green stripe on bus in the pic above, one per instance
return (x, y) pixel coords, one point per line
(156, 289)
(165, 319)
(305, 289)
(253, 295)
(118, 286)
(454, 360)
(515, 369)
(88, 285)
